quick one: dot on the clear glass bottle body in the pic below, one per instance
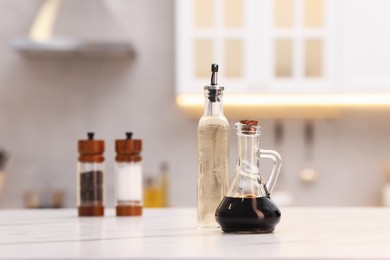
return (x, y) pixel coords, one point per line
(90, 185)
(128, 182)
(247, 181)
(213, 159)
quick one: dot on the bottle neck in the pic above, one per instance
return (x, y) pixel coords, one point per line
(213, 102)
(248, 145)
(212, 108)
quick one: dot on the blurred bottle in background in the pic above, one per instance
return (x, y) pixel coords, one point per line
(164, 183)
(43, 198)
(3, 160)
(156, 194)
(152, 194)
(386, 184)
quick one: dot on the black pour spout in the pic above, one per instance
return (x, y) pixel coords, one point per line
(214, 75)
(214, 93)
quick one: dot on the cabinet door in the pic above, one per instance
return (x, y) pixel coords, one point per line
(365, 48)
(263, 46)
(211, 31)
(302, 46)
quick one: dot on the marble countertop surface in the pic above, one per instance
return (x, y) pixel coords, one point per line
(303, 233)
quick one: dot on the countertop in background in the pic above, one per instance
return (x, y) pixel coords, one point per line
(310, 233)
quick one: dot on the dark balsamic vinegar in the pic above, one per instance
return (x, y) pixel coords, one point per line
(247, 215)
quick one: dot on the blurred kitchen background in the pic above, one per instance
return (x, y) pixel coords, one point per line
(143, 70)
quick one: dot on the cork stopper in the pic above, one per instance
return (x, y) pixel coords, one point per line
(91, 150)
(129, 149)
(249, 126)
(249, 122)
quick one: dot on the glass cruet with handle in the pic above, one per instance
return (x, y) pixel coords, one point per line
(247, 206)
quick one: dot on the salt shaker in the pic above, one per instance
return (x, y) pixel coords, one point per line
(90, 177)
(128, 177)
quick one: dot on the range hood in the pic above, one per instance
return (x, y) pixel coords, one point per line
(41, 42)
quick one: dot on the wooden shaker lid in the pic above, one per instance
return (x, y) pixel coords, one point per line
(91, 150)
(129, 149)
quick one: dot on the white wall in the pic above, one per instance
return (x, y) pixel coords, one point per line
(46, 105)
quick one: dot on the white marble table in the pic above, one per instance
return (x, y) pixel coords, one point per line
(309, 233)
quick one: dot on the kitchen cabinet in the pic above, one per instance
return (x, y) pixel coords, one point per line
(170, 233)
(318, 48)
(364, 49)
(262, 46)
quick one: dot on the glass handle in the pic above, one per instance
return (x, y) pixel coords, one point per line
(275, 156)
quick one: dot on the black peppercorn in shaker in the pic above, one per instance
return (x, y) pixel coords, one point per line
(90, 177)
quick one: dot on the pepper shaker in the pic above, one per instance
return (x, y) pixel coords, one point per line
(90, 177)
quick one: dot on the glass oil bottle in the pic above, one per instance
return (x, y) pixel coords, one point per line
(213, 153)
